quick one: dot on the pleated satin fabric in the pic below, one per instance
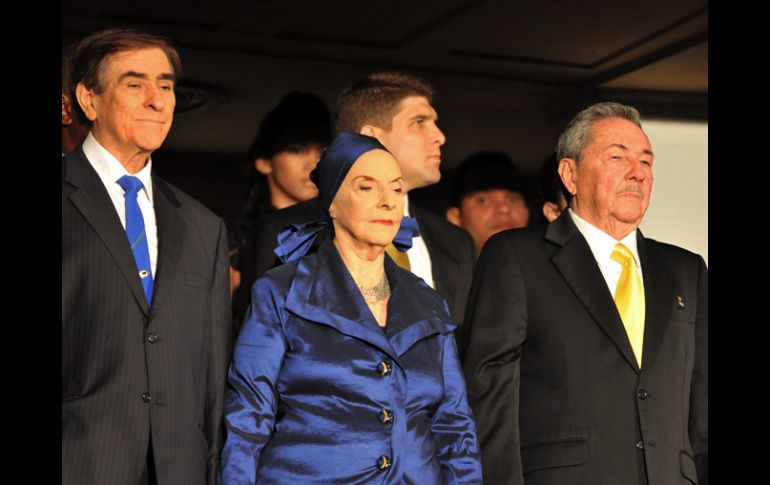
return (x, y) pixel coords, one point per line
(308, 384)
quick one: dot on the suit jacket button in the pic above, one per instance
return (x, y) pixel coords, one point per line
(640, 445)
(642, 394)
(146, 397)
(385, 416)
(383, 462)
(384, 368)
(152, 337)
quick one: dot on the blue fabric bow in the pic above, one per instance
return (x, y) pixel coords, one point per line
(295, 240)
(409, 229)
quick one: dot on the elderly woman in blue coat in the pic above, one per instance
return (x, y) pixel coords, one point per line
(346, 370)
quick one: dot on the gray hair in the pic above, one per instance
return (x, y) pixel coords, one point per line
(577, 135)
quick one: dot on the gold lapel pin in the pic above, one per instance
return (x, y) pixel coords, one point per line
(679, 301)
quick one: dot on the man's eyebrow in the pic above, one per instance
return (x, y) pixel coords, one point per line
(623, 147)
(166, 76)
(135, 74)
(422, 116)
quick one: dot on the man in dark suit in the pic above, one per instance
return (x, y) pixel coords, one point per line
(396, 109)
(588, 348)
(145, 321)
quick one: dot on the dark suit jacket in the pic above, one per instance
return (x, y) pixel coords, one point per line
(451, 250)
(553, 382)
(130, 374)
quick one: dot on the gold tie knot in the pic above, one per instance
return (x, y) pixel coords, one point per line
(398, 257)
(622, 254)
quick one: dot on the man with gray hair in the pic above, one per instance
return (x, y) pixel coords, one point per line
(588, 342)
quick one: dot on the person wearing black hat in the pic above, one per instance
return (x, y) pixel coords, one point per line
(287, 147)
(488, 196)
(346, 369)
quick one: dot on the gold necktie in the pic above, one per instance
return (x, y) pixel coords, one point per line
(401, 259)
(629, 298)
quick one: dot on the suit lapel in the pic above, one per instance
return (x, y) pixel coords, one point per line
(444, 265)
(415, 311)
(92, 200)
(577, 265)
(658, 295)
(171, 233)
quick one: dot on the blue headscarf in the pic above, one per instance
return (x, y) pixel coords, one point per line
(296, 239)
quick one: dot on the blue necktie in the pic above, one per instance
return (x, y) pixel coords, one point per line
(135, 231)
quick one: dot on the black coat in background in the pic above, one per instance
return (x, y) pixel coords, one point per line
(553, 382)
(451, 250)
(114, 350)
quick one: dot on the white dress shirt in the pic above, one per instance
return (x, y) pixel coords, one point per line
(602, 245)
(419, 258)
(110, 170)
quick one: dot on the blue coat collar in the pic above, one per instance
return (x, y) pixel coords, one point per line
(323, 291)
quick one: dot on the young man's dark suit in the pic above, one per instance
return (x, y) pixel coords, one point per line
(553, 382)
(129, 374)
(451, 250)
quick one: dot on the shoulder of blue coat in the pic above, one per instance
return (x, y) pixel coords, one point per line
(277, 280)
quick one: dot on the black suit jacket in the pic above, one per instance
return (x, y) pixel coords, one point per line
(556, 391)
(129, 373)
(451, 250)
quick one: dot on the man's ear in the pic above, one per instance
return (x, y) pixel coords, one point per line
(551, 211)
(263, 166)
(368, 130)
(86, 101)
(453, 216)
(568, 171)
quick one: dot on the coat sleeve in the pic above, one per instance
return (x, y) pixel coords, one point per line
(453, 428)
(496, 320)
(219, 355)
(699, 393)
(251, 397)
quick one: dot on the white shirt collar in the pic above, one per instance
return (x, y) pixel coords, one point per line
(110, 170)
(406, 205)
(601, 243)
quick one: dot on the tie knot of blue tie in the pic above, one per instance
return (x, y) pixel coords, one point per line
(130, 184)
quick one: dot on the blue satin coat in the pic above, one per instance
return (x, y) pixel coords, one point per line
(306, 392)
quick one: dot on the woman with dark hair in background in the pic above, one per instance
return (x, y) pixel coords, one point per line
(346, 370)
(289, 143)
